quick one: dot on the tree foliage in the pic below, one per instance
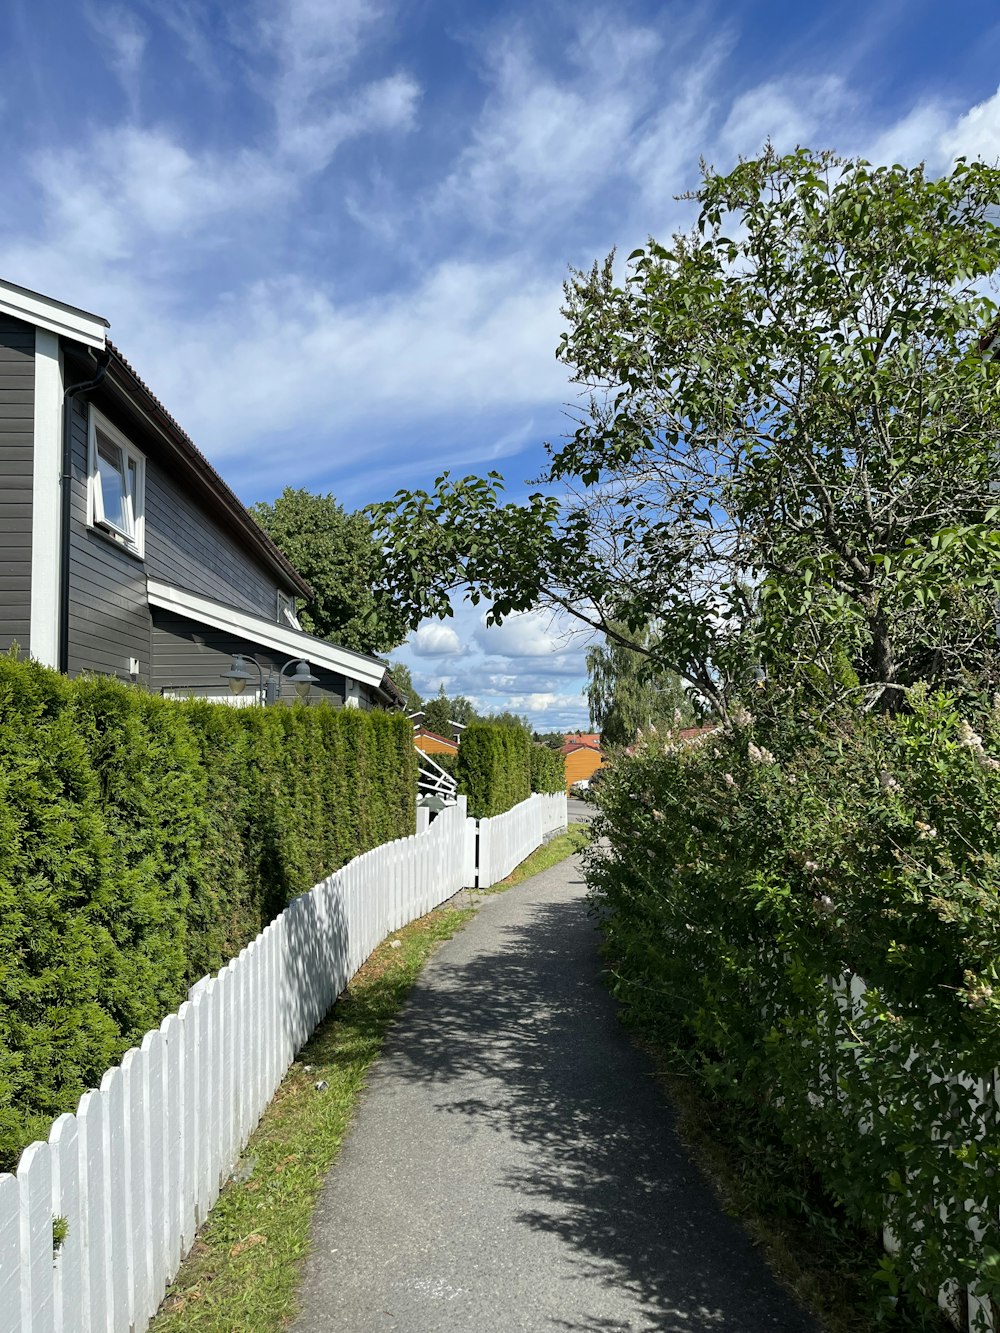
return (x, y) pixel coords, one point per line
(627, 693)
(400, 673)
(787, 447)
(336, 553)
(494, 768)
(548, 769)
(441, 711)
(808, 912)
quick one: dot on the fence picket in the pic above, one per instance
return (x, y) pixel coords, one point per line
(115, 1217)
(34, 1176)
(173, 1146)
(67, 1275)
(155, 1129)
(95, 1302)
(136, 1185)
(10, 1255)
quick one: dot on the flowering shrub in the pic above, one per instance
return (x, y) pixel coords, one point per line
(752, 885)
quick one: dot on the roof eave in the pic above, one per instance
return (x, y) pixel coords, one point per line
(123, 378)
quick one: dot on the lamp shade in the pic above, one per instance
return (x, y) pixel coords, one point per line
(237, 675)
(302, 678)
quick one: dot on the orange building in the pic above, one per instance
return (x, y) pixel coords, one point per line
(581, 758)
(431, 743)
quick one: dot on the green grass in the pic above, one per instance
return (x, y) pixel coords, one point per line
(243, 1270)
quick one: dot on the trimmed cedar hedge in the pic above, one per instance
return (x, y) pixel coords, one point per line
(493, 768)
(143, 843)
(548, 770)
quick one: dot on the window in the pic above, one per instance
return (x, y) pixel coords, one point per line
(286, 611)
(117, 476)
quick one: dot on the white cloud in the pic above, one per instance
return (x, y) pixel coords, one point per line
(789, 112)
(528, 634)
(524, 635)
(435, 640)
(465, 339)
(124, 39)
(915, 137)
(977, 133)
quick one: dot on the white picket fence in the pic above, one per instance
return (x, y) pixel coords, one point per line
(135, 1171)
(505, 840)
(966, 1311)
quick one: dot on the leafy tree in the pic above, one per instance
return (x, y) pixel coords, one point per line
(440, 712)
(787, 451)
(508, 719)
(554, 740)
(626, 693)
(400, 673)
(336, 553)
(437, 714)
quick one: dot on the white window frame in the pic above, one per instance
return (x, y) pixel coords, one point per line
(286, 611)
(134, 541)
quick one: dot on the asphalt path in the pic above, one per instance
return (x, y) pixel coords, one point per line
(514, 1165)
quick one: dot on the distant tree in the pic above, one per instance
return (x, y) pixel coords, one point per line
(400, 673)
(463, 711)
(440, 712)
(628, 693)
(553, 739)
(508, 719)
(437, 714)
(336, 553)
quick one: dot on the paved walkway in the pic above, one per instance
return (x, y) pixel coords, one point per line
(513, 1165)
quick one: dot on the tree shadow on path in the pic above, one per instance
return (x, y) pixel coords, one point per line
(526, 1023)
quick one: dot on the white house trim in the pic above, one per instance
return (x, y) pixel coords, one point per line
(46, 528)
(53, 316)
(281, 638)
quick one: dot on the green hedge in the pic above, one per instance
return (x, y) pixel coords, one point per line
(144, 842)
(493, 768)
(747, 873)
(548, 769)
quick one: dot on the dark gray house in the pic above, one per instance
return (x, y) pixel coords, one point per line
(122, 550)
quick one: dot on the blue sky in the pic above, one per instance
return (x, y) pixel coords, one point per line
(331, 234)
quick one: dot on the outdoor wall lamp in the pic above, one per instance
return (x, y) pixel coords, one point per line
(238, 675)
(302, 678)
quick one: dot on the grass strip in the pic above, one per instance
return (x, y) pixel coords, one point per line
(243, 1270)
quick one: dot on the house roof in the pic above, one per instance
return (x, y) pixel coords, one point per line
(215, 492)
(571, 746)
(55, 316)
(90, 330)
(586, 737)
(244, 624)
(433, 736)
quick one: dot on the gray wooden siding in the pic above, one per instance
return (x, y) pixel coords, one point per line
(109, 616)
(108, 612)
(17, 420)
(191, 658)
(186, 548)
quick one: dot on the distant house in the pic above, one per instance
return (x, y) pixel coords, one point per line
(583, 738)
(582, 757)
(124, 551)
(431, 743)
